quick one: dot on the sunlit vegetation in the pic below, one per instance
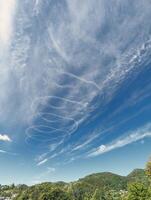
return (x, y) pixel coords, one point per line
(100, 186)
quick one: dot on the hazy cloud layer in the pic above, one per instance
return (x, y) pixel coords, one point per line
(60, 71)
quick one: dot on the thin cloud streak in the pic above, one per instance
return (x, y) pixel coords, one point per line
(8, 153)
(42, 162)
(2, 151)
(134, 136)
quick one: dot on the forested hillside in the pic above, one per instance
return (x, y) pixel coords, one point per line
(105, 186)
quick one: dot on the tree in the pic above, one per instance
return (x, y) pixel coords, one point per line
(137, 191)
(45, 196)
(96, 195)
(23, 196)
(56, 194)
(148, 169)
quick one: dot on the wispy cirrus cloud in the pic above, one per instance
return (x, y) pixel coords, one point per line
(8, 153)
(83, 65)
(7, 9)
(42, 162)
(2, 151)
(61, 71)
(141, 133)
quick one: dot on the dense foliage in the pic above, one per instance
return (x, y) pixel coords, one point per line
(100, 186)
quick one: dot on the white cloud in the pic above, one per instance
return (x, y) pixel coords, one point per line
(73, 44)
(41, 157)
(134, 136)
(37, 66)
(7, 9)
(8, 153)
(2, 151)
(42, 162)
(5, 138)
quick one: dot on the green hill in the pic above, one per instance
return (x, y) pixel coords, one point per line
(137, 175)
(114, 181)
(84, 188)
(106, 179)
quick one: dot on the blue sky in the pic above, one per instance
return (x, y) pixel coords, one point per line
(75, 88)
